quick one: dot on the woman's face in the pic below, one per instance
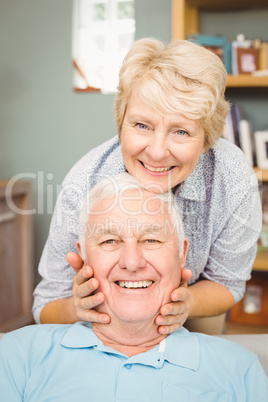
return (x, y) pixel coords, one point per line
(160, 150)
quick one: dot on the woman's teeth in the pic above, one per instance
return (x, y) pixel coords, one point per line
(140, 284)
(152, 169)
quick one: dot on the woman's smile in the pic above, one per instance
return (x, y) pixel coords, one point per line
(157, 170)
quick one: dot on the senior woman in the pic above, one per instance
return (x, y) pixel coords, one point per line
(170, 114)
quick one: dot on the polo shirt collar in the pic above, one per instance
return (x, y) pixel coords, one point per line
(79, 336)
(183, 349)
(180, 348)
(194, 187)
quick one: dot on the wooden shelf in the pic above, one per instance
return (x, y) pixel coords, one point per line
(227, 4)
(262, 174)
(261, 261)
(232, 328)
(185, 13)
(16, 255)
(246, 81)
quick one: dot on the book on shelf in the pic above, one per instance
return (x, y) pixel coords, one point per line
(261, 142)
(263, 239)
(238, 131)
(264, 56)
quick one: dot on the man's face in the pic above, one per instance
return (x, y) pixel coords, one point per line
(134, 253)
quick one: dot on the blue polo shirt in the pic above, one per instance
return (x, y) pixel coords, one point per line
(68, 363)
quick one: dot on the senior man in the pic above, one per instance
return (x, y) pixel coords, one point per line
(135, 244)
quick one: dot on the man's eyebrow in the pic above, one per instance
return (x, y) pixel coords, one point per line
(109, 230)
(154, 228)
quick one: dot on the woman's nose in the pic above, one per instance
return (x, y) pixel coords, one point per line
(131, 256)
(158, 148)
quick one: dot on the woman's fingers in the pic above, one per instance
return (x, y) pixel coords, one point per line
(75, 261)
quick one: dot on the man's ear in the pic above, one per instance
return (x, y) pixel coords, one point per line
(184, 254)
(78, 246)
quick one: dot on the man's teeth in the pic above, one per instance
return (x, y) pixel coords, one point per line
(152, 169)
(140, 284)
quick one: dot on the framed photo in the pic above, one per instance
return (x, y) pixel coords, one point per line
(253, 308)
(247, 60)
(261, 142)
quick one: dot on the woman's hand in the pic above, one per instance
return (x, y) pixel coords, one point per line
(174, 315)
(83, 288)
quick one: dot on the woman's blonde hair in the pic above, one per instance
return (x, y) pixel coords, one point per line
(180, 78)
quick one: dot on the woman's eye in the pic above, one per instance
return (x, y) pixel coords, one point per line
(141, 126)
(181, 132)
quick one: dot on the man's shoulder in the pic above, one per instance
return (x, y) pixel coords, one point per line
(225, 351)
(216, 346)
(32, 336)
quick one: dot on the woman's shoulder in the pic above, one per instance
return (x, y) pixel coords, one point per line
(103, 159)
(225, 153)
(228, 161)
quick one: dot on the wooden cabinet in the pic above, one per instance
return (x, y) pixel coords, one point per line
(261, 261)
(16, 253)
(185, 21)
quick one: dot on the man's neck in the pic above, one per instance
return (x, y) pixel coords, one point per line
(130, 339)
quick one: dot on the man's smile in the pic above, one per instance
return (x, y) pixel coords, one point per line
(134, 285)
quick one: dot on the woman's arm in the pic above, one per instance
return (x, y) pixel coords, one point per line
(209, 299)
(59, 311)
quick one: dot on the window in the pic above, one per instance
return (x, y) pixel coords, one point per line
(103, 32)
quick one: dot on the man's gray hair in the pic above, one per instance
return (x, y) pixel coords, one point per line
(114, 186)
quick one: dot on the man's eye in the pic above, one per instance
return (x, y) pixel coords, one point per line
(107, 243)
(110, 244)
(110, 241)
(152, 243)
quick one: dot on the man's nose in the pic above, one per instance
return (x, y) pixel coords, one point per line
(158, 148)
(131, 256)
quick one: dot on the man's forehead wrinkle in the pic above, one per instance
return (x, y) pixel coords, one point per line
(131, 227)
(107, 230)
(151, 228)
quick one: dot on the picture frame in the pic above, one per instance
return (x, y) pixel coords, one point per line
(261, 144)
(218, 45)
(247, 60)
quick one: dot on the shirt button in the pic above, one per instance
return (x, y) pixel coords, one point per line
(128, 366)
